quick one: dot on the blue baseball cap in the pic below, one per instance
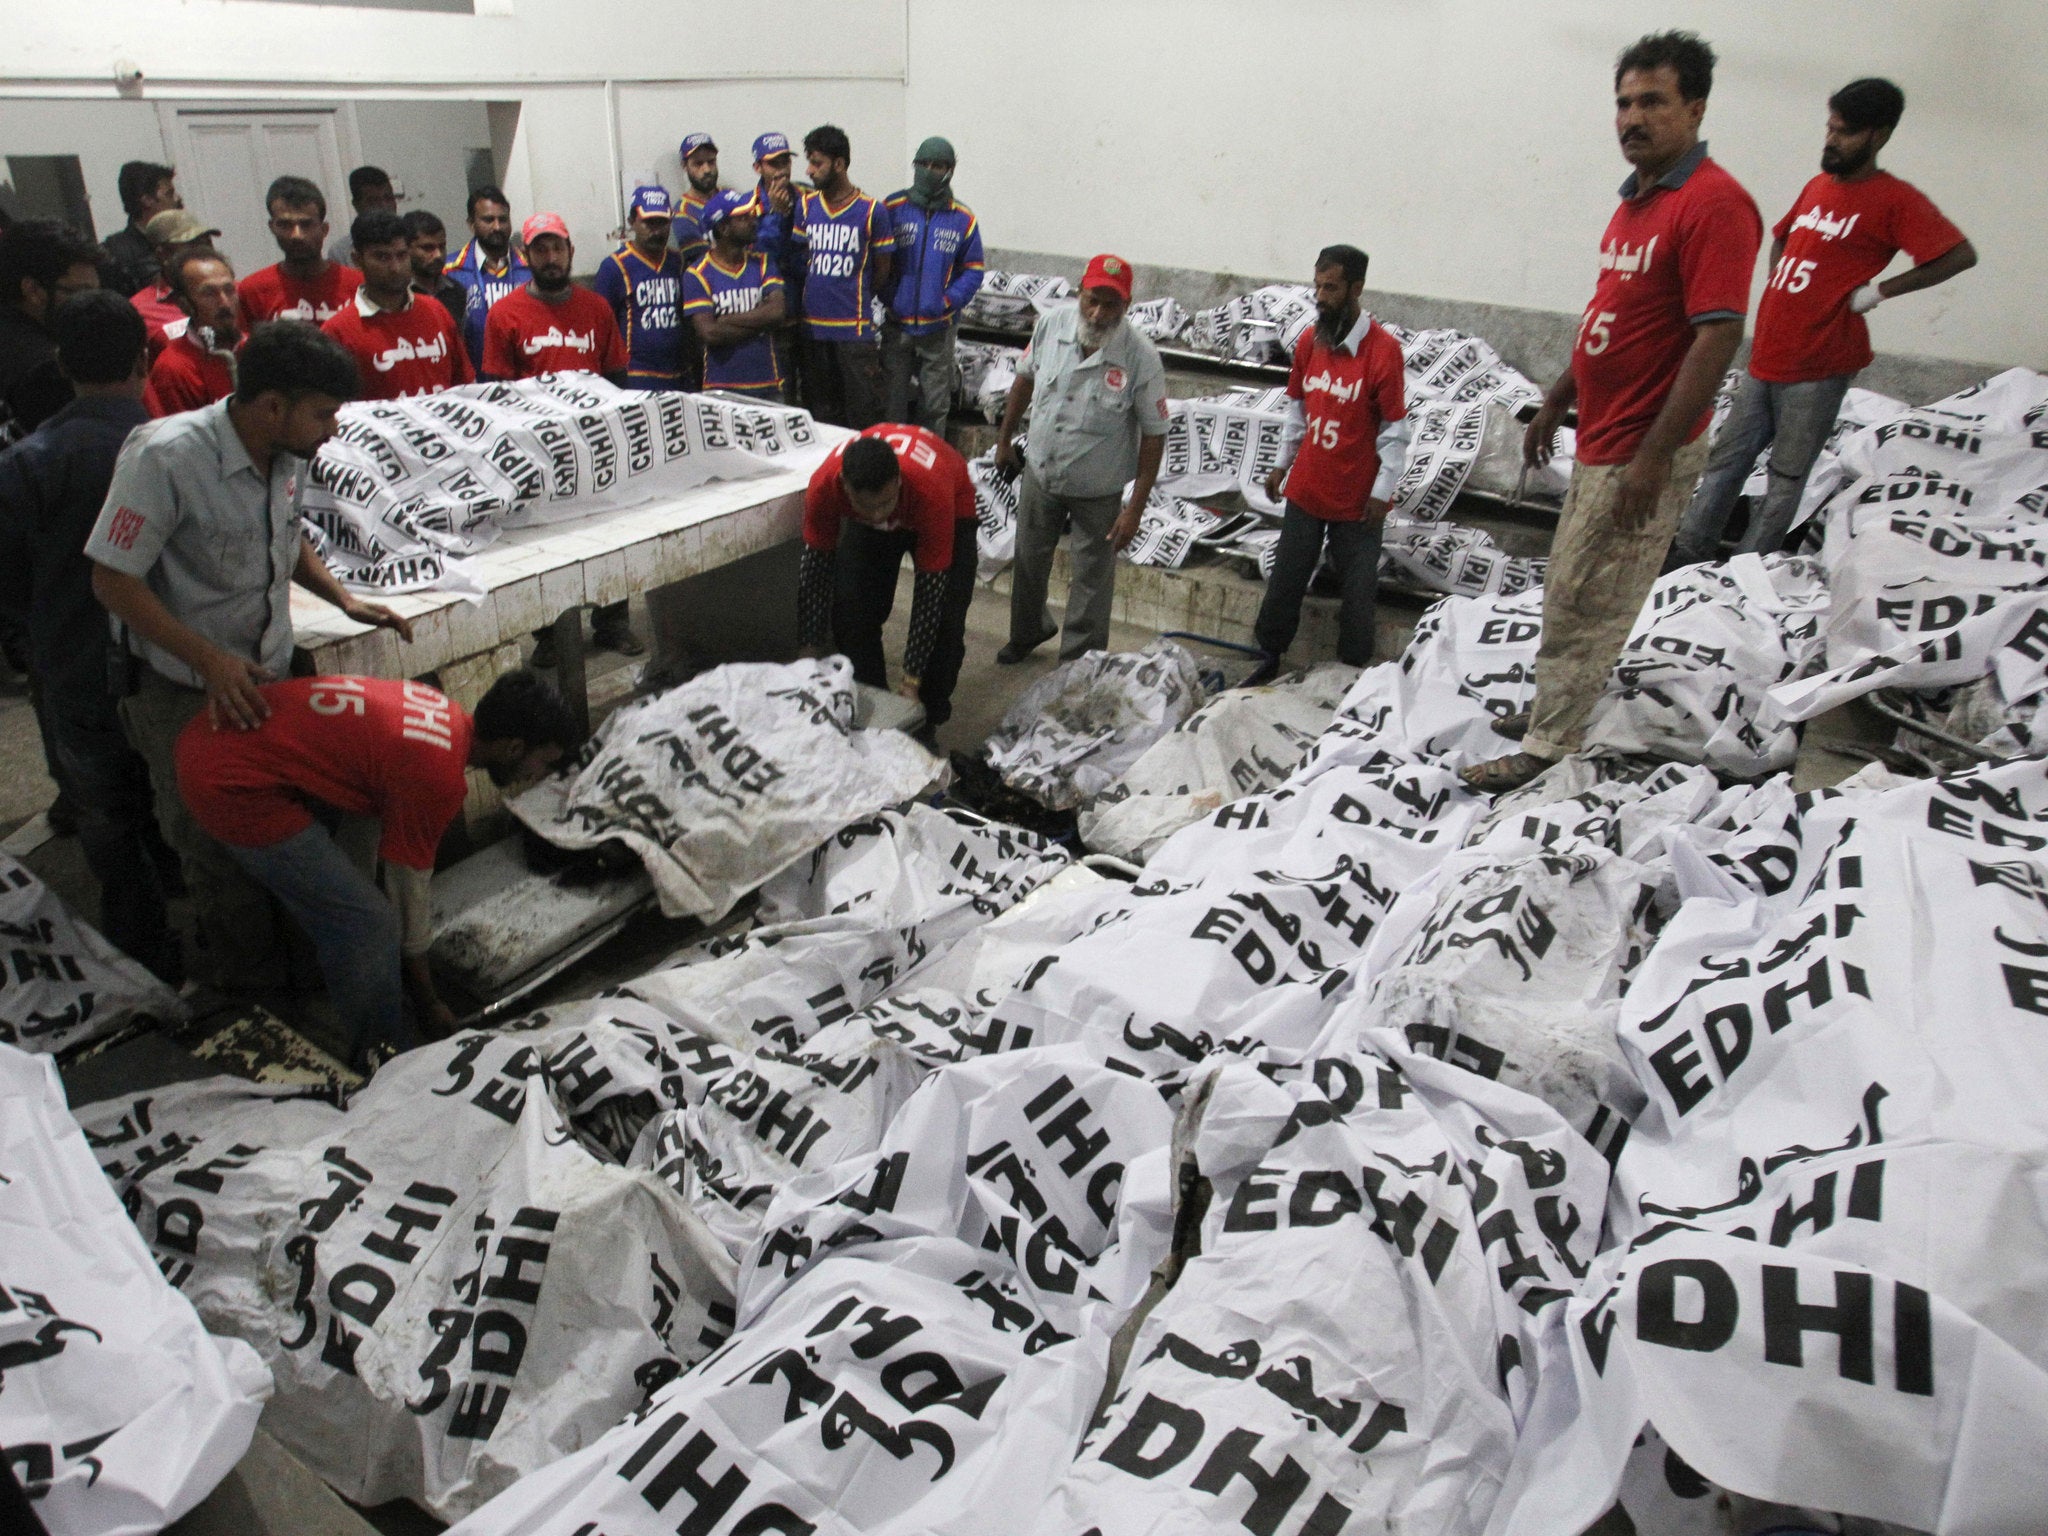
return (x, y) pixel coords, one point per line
(651, 203)
(695, 142)
(769, 145)
(722, 205)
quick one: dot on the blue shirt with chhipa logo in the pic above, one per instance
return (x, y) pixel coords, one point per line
(484, 284)
(938, 262)
(712, 290)
(839, 255)
(647, 302)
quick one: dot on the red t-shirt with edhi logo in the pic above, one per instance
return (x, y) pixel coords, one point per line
(400, 352)
(364, 745)
(526, 336)
(937, 493)
(1346, 398)
(1838, 236)
(274, 294)
(1676, 256)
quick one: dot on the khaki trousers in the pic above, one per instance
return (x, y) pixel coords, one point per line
(1599, 575)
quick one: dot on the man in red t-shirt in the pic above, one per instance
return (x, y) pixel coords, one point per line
(551, 325)
(892, 491)
(1345, 446)
(363, 746)
(305, 285)
(404, 343)
(197, 364)
(1664, 323)
(1845, 227)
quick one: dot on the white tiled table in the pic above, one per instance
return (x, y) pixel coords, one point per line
(536, 576)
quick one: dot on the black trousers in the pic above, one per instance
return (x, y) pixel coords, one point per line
(109, 782)
(864, 594)
(843, 382)
(1354, 550)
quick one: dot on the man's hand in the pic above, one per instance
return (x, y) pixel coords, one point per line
(908, 685)
(1539, 440)
(1007, 456)
(1276, 480)
(1376, 510)
(779, 196)
(1865, 299)
(232, 702)
(1125, 528)
(378, 616)
(1644, 480)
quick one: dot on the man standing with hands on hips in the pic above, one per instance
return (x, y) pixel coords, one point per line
(1096, 391)
(1342, 454)
(1811, 339)
(1664, 323)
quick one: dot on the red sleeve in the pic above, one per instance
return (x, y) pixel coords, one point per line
(248, 294)
(616, 358)
(1919, 228)
(1783, 227)
(1390, 387)
(1717, 253)
(501, 358)
(824, 504)
(955, 466)
(1297, 375)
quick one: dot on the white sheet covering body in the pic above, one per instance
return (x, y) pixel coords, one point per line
(118, 1411)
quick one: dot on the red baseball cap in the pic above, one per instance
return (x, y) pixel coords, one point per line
(1109, 272)
(542, 224)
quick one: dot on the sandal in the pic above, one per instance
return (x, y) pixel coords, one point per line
(1503, 773)
(1513, 727)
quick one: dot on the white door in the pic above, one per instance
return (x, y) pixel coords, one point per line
(226, 158)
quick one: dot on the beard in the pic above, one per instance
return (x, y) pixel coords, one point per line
(1834, 163)
(551, 282)
(1090, 333)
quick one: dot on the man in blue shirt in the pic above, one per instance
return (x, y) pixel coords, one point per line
(843, 238)
(643, 283)
(938, 269)
(734, 299)
(486, 266)
(51, 489)
(699, 155)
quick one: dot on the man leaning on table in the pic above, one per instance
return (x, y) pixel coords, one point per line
(195, 554)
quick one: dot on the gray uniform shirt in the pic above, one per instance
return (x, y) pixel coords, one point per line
(1087, 414)
(187, 513)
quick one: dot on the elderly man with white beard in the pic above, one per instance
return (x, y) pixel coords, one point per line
(1096, 391)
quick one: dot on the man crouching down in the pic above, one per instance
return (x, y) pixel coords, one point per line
(364, 746)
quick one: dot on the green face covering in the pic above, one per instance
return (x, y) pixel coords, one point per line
(932, 185)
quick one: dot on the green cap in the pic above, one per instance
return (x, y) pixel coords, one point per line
(936, 148)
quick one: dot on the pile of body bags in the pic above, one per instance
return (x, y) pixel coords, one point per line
(1377, 1157)
(1931, 524)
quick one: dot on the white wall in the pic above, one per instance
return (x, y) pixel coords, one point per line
(585, 75)
(425, 145)
(1468, 144)
(103, 134)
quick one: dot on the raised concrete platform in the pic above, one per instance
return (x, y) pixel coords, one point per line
(1537, 341)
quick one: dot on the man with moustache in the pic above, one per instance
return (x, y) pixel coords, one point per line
(733, 299)
(1663, 325)
(171, 234)
(404, 343)
(1096, 391)
(1811, 340)
(643, 283)
(197, 365)
(1341, 456)
(305, 285)
(486, 266)
(195, 553)
(699, 156)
